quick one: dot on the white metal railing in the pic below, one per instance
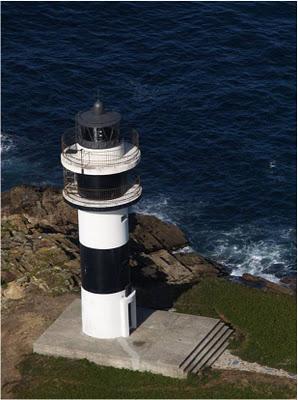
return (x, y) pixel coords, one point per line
(72, 193)
(125, 152)
(127, 189)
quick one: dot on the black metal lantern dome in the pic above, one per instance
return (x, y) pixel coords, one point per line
(97, 129)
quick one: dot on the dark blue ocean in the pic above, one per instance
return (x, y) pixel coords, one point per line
(211, 87)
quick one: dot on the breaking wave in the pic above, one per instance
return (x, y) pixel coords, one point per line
(251, 248)
(155, 205)
(7, 143)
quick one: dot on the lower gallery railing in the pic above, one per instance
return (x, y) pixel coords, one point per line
(127, 189)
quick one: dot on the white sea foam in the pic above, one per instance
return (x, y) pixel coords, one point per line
(272, 164)
(157, 206)
(254, 249)
(146, 92)
(7, 143)
(184, 250)
(239, 250)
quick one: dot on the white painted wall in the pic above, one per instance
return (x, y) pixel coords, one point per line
(105, 316)
(103, 230)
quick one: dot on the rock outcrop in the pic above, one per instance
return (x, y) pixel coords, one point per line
(284, 288)
(40, 249)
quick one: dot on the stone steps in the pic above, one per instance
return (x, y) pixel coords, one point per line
(208, 350)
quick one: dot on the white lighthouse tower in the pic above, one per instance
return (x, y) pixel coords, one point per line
(97, 163)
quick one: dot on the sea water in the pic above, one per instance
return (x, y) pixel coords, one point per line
(211, 87)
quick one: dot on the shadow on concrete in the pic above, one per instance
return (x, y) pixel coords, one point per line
(143, 314)
(159, 296)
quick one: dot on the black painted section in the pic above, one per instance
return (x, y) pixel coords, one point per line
(102, 187)
(105, 271)
(98, 138)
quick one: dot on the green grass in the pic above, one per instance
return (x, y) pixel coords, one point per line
(48, 377)
(265, 322)
(266, 332)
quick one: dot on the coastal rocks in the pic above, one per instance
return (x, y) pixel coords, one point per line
(176, 268)
(265, 285)
(14, 291)
(40, 246)
(160, 277)
(168, 266)
(40, 250)
(20, 199)
(290, 282)
(149, 234)
(200, 266)
(39, 205)
(160, 272)
(38, 256)
(7, 276)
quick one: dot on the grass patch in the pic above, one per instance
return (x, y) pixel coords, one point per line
(49, 378)
(265, 322)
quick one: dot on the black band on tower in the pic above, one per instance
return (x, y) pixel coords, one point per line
(105, 271)
(102, 187)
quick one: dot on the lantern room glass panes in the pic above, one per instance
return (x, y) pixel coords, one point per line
(98, 138)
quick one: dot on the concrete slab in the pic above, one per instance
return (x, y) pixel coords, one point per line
(160, 343)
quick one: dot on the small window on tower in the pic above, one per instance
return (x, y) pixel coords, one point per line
(123, 218)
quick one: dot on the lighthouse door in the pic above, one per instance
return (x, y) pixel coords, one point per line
(132, 317)
(128, 291)
(129, 316)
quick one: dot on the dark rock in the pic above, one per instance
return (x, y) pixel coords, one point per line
(151, 234)
(7, 276)
(20, 199)
(173, 270)
(252, 278)
(266, 285)
(200, 266)
(34, 252)
(39, 204)
(290, 281)
(275, 287)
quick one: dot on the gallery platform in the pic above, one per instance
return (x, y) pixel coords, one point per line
(164, 342)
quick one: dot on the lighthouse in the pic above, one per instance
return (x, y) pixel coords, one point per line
(98, 163)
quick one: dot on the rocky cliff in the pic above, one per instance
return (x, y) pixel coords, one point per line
(40, 251)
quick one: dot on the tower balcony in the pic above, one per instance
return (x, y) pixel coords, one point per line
(112, 158)
(98, 199)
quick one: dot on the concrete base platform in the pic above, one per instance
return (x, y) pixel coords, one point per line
(164, 342)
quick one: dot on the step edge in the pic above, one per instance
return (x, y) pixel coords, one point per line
(206, 349)
(218, 345)
(217, 354)
(219, 323)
